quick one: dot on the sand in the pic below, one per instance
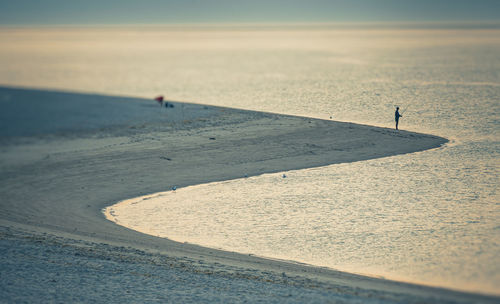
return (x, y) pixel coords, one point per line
(66, 156)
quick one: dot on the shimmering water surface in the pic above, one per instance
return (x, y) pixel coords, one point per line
(431, 217)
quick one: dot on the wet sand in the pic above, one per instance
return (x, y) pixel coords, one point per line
(66, 156)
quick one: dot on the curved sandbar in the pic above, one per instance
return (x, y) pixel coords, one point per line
(76, 154)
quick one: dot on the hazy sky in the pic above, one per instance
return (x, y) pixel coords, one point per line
(18, 12)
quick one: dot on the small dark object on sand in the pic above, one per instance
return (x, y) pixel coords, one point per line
(160, 100)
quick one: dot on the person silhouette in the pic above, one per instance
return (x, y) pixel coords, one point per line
(397, 116)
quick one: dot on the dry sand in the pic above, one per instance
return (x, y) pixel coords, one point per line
(66, 156)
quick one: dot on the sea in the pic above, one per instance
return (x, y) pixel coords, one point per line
(430, 217)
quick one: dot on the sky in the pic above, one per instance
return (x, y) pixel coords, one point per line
(88, 12)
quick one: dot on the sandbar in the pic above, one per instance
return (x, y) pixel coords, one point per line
(66, 156)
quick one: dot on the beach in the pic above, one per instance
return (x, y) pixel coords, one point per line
(67, 156)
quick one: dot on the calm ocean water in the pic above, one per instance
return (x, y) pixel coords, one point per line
(431, 217)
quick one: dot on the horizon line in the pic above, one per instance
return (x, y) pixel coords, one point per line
(438, 24)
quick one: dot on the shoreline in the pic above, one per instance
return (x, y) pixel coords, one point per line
(58, 182)
(109, 211)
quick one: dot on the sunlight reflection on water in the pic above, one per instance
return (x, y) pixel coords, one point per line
(430, 217)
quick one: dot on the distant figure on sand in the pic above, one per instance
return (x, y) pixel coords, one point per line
(397, 116)
(160, 100)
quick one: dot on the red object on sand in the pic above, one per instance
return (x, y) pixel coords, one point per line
(160, 100)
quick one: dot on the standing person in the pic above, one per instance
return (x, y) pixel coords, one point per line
(397, 116)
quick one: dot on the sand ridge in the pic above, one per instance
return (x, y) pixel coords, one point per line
(58, 180)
